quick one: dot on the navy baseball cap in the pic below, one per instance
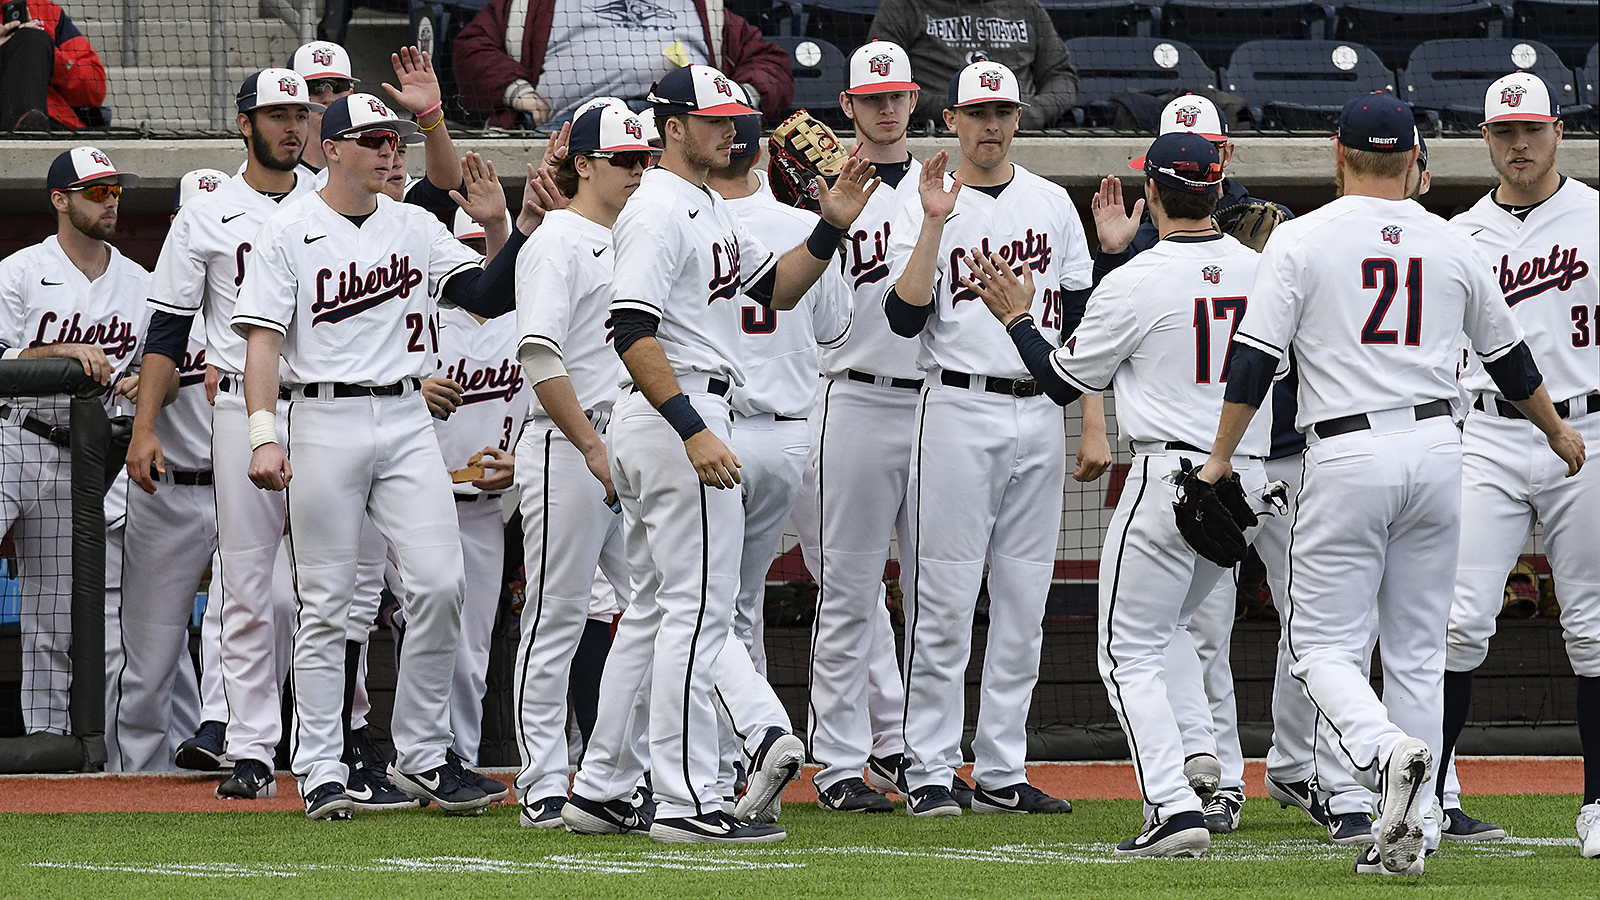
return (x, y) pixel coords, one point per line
(364, 112)
(1422, 151)
(699, 91)
(84, 164)
(1377, 122)
(746, 137)
(1185, 161)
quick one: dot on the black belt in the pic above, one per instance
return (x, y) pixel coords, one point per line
(1358, 422)
(474, 498)
(910, 384)
(1589, 403)
(1180, 445)
(1014, 387)
(202, 478)
(225, 383)
(713, 386)
(60, 435)
(352, 390)
(788, 418)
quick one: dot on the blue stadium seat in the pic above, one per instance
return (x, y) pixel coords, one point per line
(1299, 85)
(1103, 18)
(1568, 27)
(1107, 65)
(1449, 77)
(1591, 73)
(844, 22)
(1217, 27)
(820, 72)
(1393, 28)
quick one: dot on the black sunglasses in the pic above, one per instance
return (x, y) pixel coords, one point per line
(626, 159)
(319, 86)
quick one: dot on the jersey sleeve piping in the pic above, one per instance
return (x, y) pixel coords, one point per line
(637, 306)
(456, 271)
(241, 323)
(1496, 353)
(1080, 384)
(1264, 346)
(770, 263)
(835, 341)
(174, 308)
(540, 340)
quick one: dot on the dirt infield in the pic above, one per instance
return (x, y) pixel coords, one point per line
(1077, 781)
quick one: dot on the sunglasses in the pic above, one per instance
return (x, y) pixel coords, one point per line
(626, 159)
(319, 86)
(100, 193)
(374, 140)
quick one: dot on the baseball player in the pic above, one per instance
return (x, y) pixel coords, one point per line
(988, 447)
(1377, 522)
(1539, 230)
(853, 495)
(72, 296)
(569, 521)
(1143, 327)
(682, 260)
(326, 274)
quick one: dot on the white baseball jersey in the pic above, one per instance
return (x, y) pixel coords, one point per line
(1412, 286)
(780, 346)
(1160, 326)
(563, 303)
(483, 360)
(45, 299)
(184, 426)
(1546, 269)
(203, 259)
(871, 346)
(355, 305)
(684, 256)
(1032, 223)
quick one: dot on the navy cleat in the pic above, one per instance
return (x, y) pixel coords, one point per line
(207, 751)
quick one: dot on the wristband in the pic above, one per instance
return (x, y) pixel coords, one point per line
(429, 128)
(824, 240)
(1025, 317)
(430, 111)
(681, 415)
(263, 428)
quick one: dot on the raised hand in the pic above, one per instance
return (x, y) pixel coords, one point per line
(419, 86)
(1115, 227)
(850, 192)
(937, 203)
(485, 199)
(556, 149)
(539, 196)
(1005, 293)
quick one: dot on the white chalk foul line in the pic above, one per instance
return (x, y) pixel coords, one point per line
(1229, 850)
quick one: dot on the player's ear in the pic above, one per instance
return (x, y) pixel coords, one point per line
(330, 149)
(245, 125)
(950, 118)
(1558, 126)
(847, 106)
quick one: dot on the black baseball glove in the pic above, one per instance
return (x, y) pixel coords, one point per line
(1212, 517)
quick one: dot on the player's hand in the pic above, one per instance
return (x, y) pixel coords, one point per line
(850, 192)
(1094, 456)
(129, 387)
(556, 150)
(992, 279)
(94, 361)
(1568, 444)
(213, 379)
(485, 200)
(539, 196)
(600, 468)
(713, 461)
(499, 470)
(442, 396)
(269, 468)
(419, 87)
(1114, 226)
(144, 453)
(1214, 470)
(937, 203)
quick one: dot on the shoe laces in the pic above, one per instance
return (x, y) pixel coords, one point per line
(852, 787)
(1589, 815)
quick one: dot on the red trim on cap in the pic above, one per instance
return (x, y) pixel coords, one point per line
(884, 87)
(1136, 163)
(991, 100)
(626, 148)
(330, 74)
(87, 178)
(1521, 117)
(724, 109)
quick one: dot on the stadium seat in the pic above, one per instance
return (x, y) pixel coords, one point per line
(773, 17)
(820, 73)
(1449, 77)
(844, 22)
(1107, 65)
(1393, 28)
(1591, 72)
(1217, 27)
(1103, 18)
(1303, 84)
(1568, 27)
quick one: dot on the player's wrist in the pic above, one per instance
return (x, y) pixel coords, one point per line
(824, 240)
(682, 416)
(263, 429)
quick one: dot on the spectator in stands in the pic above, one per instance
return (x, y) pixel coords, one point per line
(562, 53)
(945, 36)
(48, 71)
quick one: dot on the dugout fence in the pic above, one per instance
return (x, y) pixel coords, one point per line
(79, 469)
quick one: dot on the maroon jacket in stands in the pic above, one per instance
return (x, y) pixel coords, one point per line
(483, 68)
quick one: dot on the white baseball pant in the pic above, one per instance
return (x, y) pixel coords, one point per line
(1151, 580)
(1377, 526)
(1200, 681)
(213, 700)
(567, 532)
(986, 477)
(852, 500)
(483, 553)
(353, 457)
(772, 460)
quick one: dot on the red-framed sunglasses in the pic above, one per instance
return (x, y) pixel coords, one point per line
(374, 140)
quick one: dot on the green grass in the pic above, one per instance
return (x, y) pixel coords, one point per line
(1277, 854)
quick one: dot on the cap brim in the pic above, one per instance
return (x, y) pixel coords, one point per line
(406, 130)
(125, 179)
(884, 87)
(725, 109)
(350, 78)
(1136, 163)
(1520, 117)
(311, 107)
(989, 100)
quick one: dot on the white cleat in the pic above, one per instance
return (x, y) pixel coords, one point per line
(1406, 785)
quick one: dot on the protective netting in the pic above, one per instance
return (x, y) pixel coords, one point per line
(172, 66)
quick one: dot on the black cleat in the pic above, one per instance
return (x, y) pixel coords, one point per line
(329, 802)
(1021, 797)
(853, 795)
(251, 780)
(207, 751)
(1184, 834)
(441, 785)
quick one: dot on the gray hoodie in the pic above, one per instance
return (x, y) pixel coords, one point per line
(944, 36)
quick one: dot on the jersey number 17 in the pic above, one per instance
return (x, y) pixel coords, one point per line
(1230, 309)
